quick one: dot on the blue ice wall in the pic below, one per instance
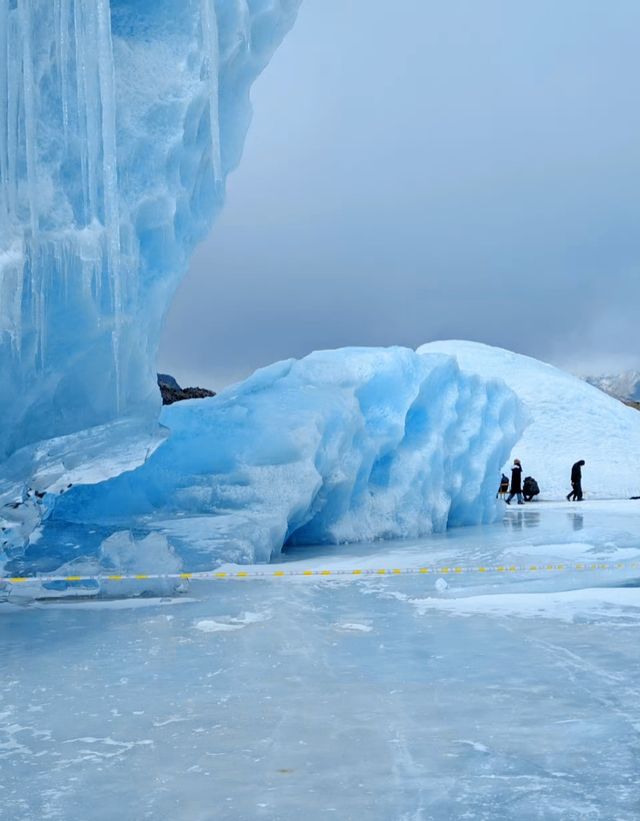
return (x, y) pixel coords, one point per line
(119, 121)
(347, 445)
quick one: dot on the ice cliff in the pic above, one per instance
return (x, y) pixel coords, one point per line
(119, 121)
(346, 445)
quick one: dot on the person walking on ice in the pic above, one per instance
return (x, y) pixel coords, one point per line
(516, 483)
(576, 482)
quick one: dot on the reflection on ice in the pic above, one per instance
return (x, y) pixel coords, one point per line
(517, 519)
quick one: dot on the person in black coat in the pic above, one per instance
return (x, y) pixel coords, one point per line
(516, 483)
(576, 482)
(530, 488)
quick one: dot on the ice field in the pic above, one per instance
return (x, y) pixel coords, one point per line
(485, 667)
(495, 695)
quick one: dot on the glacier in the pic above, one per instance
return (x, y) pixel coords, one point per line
(494, 686)
(341, 446)
(119, 122)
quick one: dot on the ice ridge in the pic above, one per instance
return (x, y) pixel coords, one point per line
(347, 445)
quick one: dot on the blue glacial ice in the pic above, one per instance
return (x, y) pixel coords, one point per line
(119, 122)
(341, 446)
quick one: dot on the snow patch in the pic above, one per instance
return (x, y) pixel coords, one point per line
(570, 420)
(354, 627)
(570, 606)
(226, 624)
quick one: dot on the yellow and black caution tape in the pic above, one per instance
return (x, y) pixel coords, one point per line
(280, 573)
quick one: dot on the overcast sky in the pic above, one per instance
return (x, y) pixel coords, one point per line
(429, 169)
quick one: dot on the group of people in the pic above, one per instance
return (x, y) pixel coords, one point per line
(516, 488)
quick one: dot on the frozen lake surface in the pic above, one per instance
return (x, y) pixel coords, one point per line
(438, 696)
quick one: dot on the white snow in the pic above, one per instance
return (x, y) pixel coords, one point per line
(601, 604)
(570, 420)
(354, 627)
(228, 624)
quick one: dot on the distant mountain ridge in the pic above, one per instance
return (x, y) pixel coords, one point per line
(625, 385)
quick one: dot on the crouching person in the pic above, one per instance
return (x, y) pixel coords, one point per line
(529, 488)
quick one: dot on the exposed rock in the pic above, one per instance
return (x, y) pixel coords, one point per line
(172, 392)
(169, 381)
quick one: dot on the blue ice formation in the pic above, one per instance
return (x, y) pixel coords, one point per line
(119, 122)
(346, 445)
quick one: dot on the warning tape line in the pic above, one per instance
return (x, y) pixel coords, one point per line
(277, 574)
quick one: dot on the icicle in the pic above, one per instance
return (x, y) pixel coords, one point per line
(106, 76)
(92, 103)
(81, 106)
(4, 114)
(63, 44)
(30, 111)
(30, 118)
(212, 49)
(57, 26)
(13, 86)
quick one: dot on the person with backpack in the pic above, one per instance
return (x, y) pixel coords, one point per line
(503, 487)
(529, 488)
(516, 483)
(576, 482)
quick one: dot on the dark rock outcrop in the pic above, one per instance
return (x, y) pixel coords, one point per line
(169, 381)
(172, 392)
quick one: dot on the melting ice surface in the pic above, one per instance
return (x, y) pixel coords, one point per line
(495, 697)
(341, 446)
(119, 121)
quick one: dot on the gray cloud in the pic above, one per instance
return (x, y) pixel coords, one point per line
(454, 169)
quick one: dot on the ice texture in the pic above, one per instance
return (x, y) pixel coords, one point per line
(570, 420)
(119, 121)
(341, 446)
(506, 696)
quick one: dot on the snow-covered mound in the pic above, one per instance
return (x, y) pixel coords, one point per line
(343, 445)
(570, 420)
(119, 121)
